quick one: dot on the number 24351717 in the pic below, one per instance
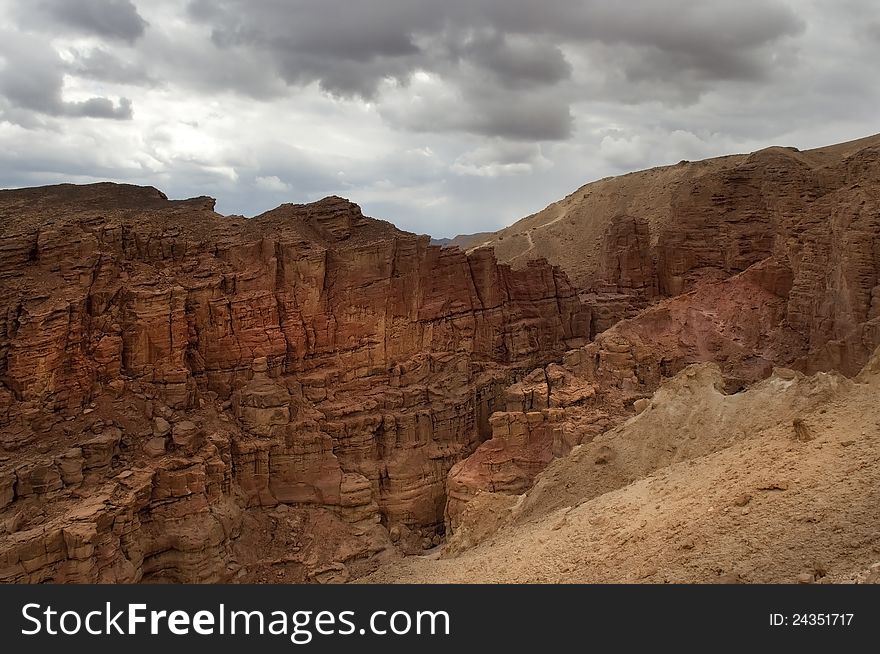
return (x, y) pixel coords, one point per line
(811, 619)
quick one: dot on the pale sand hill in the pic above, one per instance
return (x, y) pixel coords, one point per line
(772, 484)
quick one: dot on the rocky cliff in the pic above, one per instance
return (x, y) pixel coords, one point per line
(302, 395)
(629, 241)
(747, 261)
(774, 484)
(195, 397)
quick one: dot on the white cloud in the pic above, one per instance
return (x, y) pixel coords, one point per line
(501, 158)
(271, 183)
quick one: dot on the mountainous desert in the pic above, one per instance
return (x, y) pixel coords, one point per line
(668, 376)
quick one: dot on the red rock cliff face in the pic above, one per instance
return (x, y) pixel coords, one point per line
(184, 371)
(752, 261)
(630, 241)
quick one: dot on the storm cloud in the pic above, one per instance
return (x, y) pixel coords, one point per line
(502, 58)
(113, 19)
(518, 40)
(32, 80)
(445, 117)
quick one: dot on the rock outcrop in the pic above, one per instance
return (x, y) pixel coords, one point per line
(171, 379)
(627, 242)
(749, 262)
(737, 324)
(702, 486)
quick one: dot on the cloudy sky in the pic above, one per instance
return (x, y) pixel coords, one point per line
(444, 117)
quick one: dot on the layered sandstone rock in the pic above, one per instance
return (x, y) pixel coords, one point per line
(738, 324)
(628, 241)
(703, 486)
(748, 261)
(193, 397)
(170, 377)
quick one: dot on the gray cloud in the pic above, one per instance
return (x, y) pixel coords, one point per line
(506, 63)
(32, 78)
(99, 108)
(349, 48)
(505, 59)
(346, 47)
(517, 60)
(102, 65)
(484, 111)
(113, 19)
(872, 30)
(499, 158)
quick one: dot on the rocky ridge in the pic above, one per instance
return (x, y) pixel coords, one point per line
(628, 241)
(750, 262)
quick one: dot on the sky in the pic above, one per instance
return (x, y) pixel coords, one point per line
(443, 117)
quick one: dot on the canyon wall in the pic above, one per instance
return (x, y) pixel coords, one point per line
(298, 396)
(176, 383)
(750, 262)
(629, 241)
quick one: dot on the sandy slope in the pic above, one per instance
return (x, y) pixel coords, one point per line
(768, 485)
